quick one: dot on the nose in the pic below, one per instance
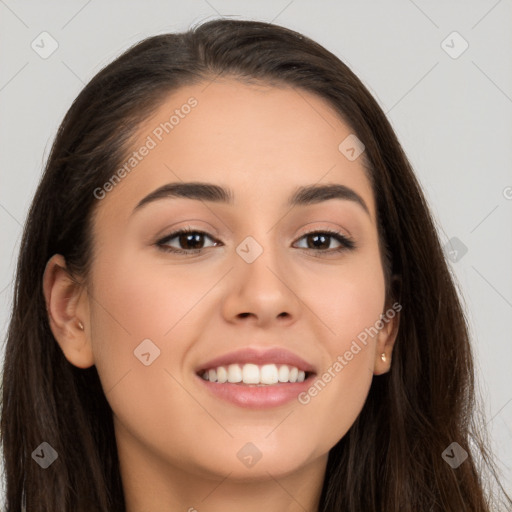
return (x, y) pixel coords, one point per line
(261, 291)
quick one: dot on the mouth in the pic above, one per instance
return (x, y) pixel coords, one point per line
(250, 374)
(256, 378)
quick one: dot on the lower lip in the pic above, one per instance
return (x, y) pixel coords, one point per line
(253, 396)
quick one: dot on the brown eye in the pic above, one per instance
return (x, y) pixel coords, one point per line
(320, 241)
(188, 240)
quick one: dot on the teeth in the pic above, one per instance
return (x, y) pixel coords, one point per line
(234, 373)
(250, 374)
(269, 374)
(283, 374)
(266, 374)
(222, 374)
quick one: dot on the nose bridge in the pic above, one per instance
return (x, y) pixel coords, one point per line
(259, 260)
(261, 289)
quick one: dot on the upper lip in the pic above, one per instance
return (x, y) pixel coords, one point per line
(276, 355)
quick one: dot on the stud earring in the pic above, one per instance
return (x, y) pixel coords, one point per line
(383, 357)
(81, 326)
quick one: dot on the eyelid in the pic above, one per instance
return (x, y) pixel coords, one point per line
(186, 229)
(172, 229)
(320, 226)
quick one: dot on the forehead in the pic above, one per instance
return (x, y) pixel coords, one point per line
(258, 139)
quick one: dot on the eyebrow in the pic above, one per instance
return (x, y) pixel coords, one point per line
(302, 196)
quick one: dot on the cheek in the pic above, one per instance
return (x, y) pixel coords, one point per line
(134, 301)
(349, 308)
(347, 299)
(146, 313)
(139, 298)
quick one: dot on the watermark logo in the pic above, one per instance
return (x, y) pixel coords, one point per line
(249, 455)
(454, 45)
(44, 455)
(249, 249)
(351, 147)
(146, 352)
(44, 45)
(455, 249)
(455, 455)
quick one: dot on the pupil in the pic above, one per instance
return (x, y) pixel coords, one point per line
(322, 243)
(191, 239)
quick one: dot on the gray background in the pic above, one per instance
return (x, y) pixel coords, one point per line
(452, 116)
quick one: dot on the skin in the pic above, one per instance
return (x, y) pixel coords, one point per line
(177, 443)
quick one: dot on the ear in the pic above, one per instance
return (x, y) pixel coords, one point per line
(387, 335)
(67, 307)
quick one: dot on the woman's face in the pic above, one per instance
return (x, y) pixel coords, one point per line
(265, 275)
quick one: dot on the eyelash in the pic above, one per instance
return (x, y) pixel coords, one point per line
(346, 243)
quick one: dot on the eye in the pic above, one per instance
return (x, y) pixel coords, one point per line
(192, 241)
(188, 240)
(319, 241)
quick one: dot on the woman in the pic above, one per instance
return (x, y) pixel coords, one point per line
(185, 335)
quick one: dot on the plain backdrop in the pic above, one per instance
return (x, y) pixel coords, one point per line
(448, 96)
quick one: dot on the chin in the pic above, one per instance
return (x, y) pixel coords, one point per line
(258, 460)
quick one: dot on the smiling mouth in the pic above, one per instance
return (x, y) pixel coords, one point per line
(253, 374)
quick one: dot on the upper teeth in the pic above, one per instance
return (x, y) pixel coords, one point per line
(254, 374)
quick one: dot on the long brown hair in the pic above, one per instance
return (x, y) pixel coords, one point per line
(391, 458)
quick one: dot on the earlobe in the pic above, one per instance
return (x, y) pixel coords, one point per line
(385, 343)
(66, 305)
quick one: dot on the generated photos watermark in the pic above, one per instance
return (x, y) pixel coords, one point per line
(151, 142)
(343, 360)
